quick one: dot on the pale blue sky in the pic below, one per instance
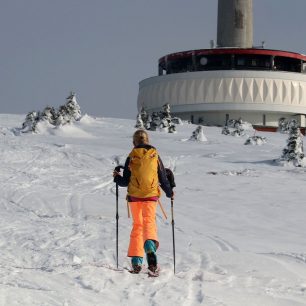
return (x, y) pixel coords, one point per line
(101, 49)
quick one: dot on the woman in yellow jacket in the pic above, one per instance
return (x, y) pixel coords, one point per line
(143, 174)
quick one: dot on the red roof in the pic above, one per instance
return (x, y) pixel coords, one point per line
(184, 54)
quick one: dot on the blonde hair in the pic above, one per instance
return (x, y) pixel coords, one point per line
(140, 137)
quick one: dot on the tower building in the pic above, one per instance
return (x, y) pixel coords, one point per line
(233, 80)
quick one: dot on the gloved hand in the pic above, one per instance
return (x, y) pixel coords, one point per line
(116, 172)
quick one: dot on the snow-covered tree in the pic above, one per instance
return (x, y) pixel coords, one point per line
(283, 125)
(198, 134)
(66, 113)
(139, 122)
(238, 132)
(159, 121)
(155, 121)
(225, 131)
(145, 118)
(63, 116)
(147, 126)
(73, 108)
(166, 119)
(294, 151)
(29, 125)
(166, 113)
(236, 128)
(49, 114)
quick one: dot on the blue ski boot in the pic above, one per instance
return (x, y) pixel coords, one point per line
(150, 249)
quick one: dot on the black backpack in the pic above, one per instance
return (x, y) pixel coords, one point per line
(170, 177)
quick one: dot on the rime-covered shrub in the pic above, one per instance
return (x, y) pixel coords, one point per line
(30, 122)
(139, 122)
(236, 128)
(155, 121)
(145, 118)
(283, 125)
(67, 113)
(198, 134)
(166, 123)
(73, 108)
(49, 114)
(225, 131)
(159, 121)
(293, 153)
(238, 132)
(255, 140)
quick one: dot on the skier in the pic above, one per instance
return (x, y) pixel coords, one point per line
(143, 174)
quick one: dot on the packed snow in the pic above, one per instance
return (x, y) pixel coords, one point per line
(240, 219)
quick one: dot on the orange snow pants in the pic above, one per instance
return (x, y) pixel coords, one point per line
(144, 226)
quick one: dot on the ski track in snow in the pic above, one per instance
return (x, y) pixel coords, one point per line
(224, 245)
(57, 239)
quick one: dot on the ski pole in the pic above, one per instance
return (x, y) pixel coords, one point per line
(117, 223)
(173, 240)
(117, 169)
(171, 181)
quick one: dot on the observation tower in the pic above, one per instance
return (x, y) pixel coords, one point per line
(231, 80)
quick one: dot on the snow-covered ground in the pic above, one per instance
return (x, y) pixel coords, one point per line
(240, 220)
